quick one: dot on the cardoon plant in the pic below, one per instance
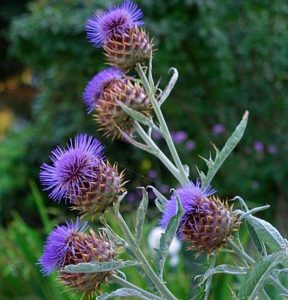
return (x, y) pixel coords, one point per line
(130, 108)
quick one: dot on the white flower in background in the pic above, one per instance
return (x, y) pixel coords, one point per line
(154, 243)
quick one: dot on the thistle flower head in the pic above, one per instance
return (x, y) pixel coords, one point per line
(71, 167)
(80, 175)
(97, 85)
(58, 244)
(206, 223)
(69, 245)
(188, 195)
(113, 22)
(105, 91)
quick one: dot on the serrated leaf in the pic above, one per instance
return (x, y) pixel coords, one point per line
(257, 276)
(95, 267)
(137, 116)
(266, 232)
(226, 269)
(170, 86)
(160, 201)
(140, 216)
(221, 156)
(167, 237)
(124, 292)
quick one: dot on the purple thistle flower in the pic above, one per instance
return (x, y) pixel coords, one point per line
(188, 195)
(156, 135)
(179, 137)
(58, 244)
(258, 146)
(190, 145)
(218, 129)
(164, 189)
(152, 174)
(97, 85)
(114, 21)
(71, 167)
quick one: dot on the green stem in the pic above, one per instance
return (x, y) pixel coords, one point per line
(157, 152)
(246, 258)
(163, 126)
(209, 280)
(159, 284)
(279, 286)
(249, 260)
(125, 283)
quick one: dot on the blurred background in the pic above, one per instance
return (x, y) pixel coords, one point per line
(231, 56)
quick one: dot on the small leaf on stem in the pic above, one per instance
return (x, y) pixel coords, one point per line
(94, 267)
(140, 216)
(221, 156)
(167, 237)
(160, 199)
(259, 274)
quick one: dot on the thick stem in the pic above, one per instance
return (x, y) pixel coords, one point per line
(157, 152)
(127, 284)
(159, 284)
(163, 126)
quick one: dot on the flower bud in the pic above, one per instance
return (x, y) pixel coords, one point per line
(103, 93)
(126, 50)
(80, 175)
(116, 30)
(206, 223)
(68, 244)
(102, 192)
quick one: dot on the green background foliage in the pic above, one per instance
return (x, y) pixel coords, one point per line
(231, 57)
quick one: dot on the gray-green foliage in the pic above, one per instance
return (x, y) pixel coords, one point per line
(231, 56)
(234, 53)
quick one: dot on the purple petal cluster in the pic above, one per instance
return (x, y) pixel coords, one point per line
(258, 146)
(218, 129)
(58, 244)
(179, 137)
(114, 21)
(96, 86)
(188, 195)
(71, 167)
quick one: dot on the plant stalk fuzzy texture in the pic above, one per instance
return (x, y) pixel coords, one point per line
(146, 267)
(183, 177)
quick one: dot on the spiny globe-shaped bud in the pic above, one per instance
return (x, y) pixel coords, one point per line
(102, 192)
(116, 30)
(68, 244)
(103, 93)
(126, 50)
(80, 175)
(206, 223)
